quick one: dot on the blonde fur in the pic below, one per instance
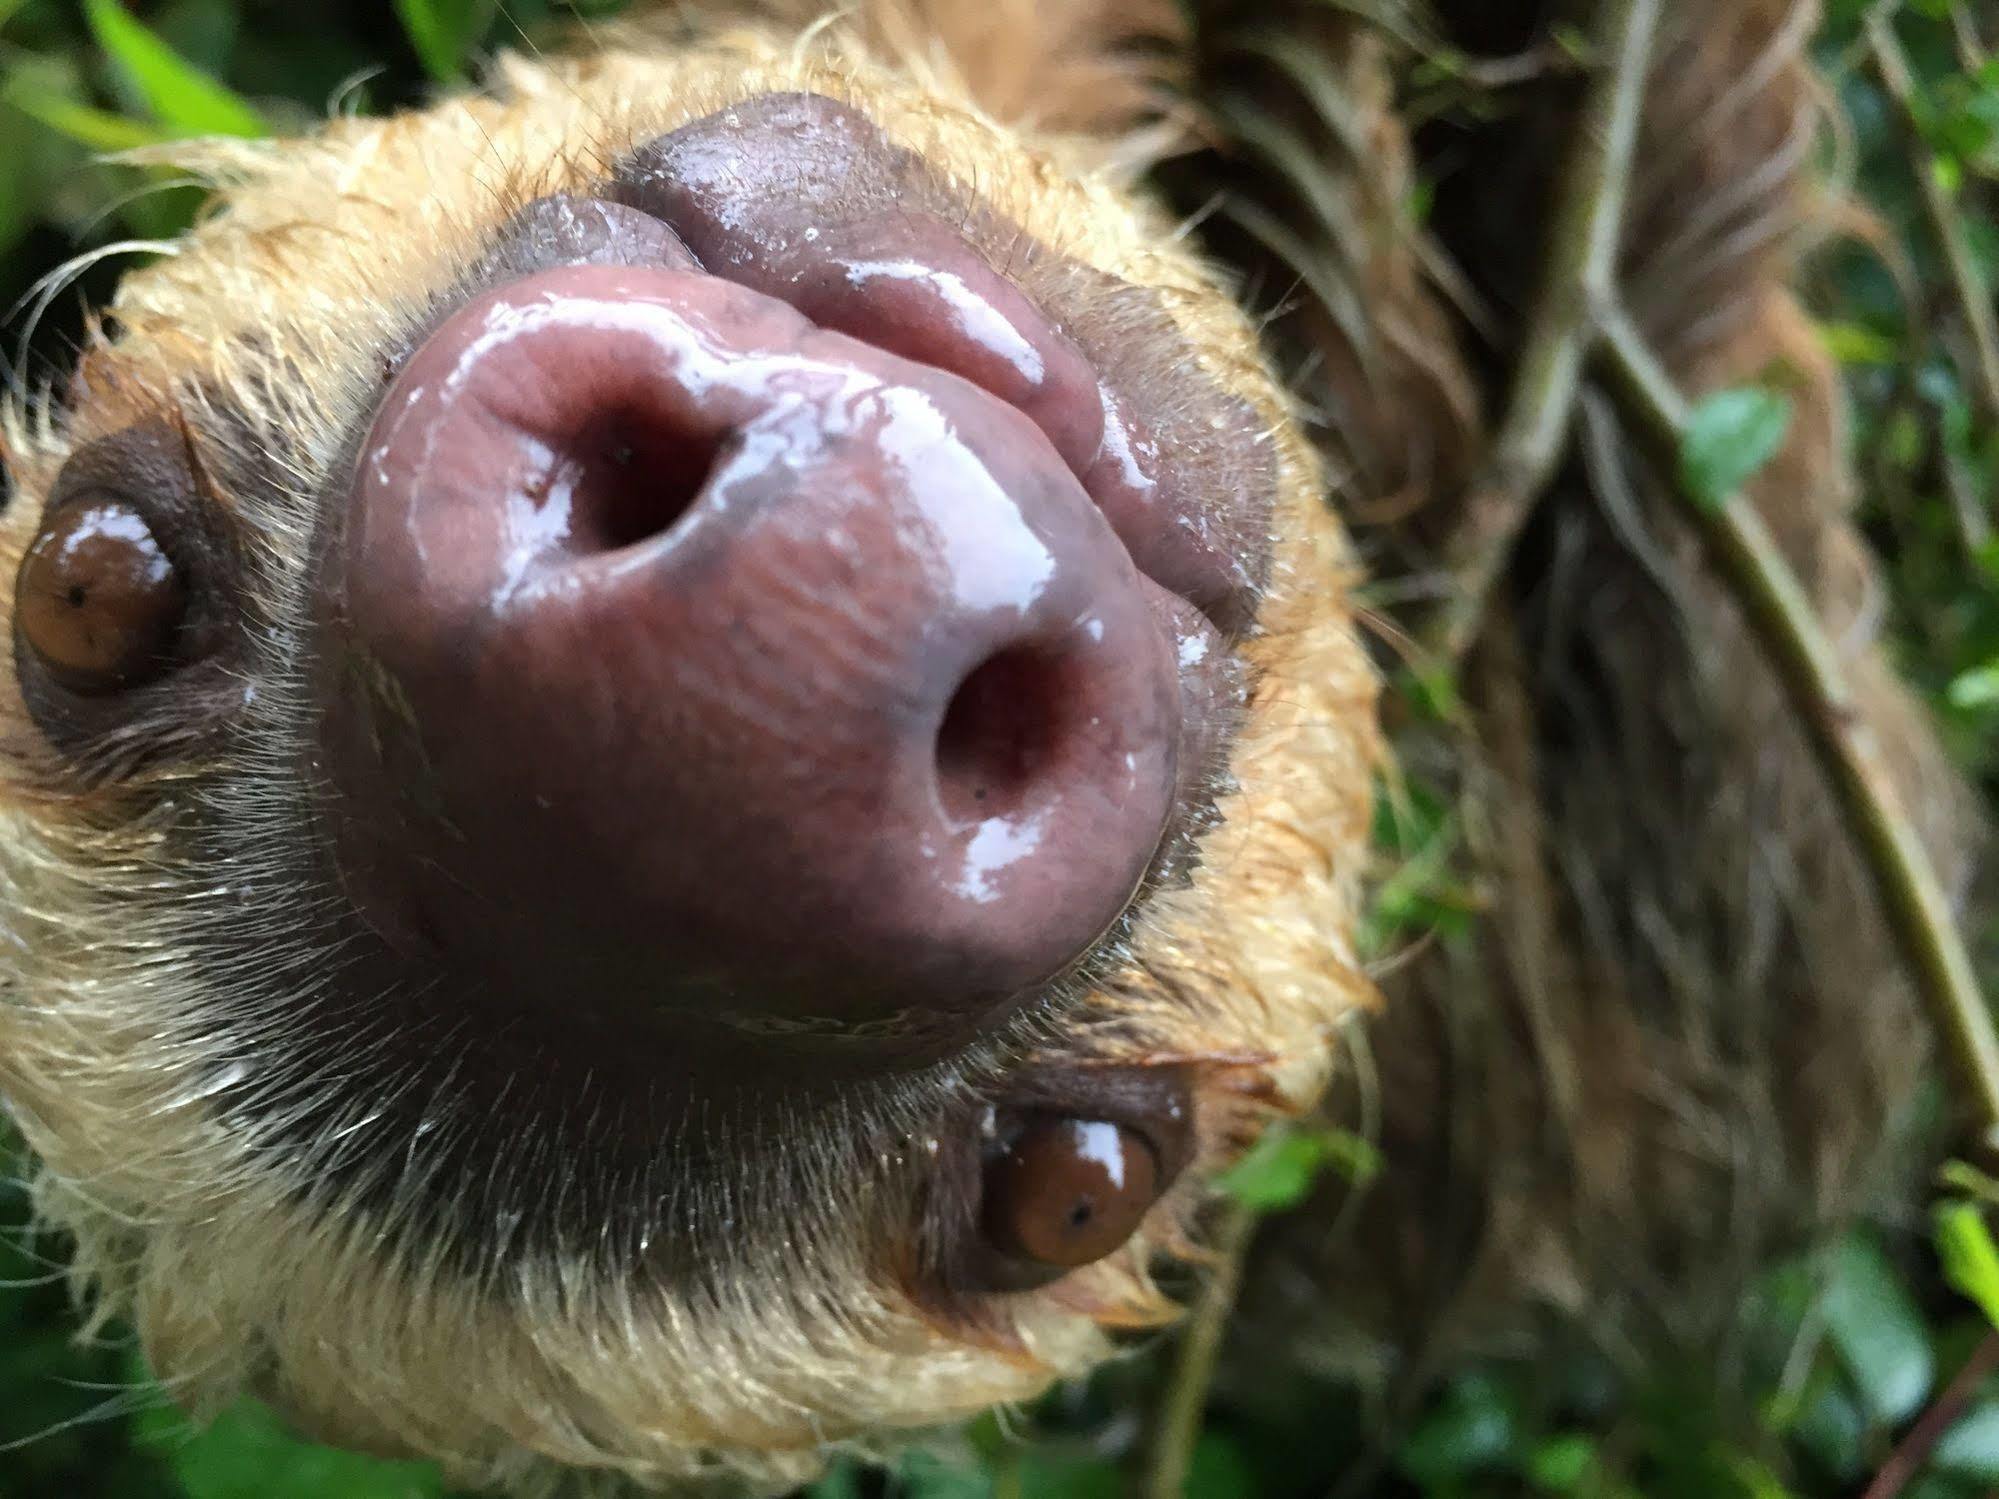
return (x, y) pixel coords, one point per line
(263, 332)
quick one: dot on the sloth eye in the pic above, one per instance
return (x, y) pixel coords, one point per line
(99, 602)
(1066, 1191)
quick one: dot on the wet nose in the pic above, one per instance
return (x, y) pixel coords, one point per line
(678, 654)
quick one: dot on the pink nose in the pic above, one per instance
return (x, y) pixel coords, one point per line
(680, 654)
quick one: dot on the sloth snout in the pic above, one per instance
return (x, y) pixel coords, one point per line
(678, 655)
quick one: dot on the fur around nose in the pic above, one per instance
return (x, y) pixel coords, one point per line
(682, 655)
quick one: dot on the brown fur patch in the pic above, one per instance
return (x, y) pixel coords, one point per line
(1679, 1042)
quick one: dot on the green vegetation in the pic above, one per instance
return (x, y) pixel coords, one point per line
(1874, 1357)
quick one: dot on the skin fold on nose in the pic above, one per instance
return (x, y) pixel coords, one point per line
(800, 196)
(679, 654)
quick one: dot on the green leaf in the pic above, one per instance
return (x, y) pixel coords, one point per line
(1905, 439)
(925, 1475)
(1971, 1447)
(1970, 1258)
(1218, 1470)
(1755, 1478)
(1962, 1176)
(444, 32)
(1977, 688)
(1730, 437)
(1561, 1464)
(1433, 692)
(1473, 1429)
(182, 97)
(1050, 1476)
(97, 129)
(1278, 1172)
(1873, 1322)
(248, 1454)
(842, 1481)
(1830, 1425)
(1856, 343)
(1424, 892)
(1574, 42)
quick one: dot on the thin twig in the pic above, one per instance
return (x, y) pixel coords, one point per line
(1180, 1416)
(1913, 1452)
(1582, 266)
(1974, 299)
(1784, 620)
(1970, 45)
(1974, 526)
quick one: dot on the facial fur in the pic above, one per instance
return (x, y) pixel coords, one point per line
(291, 1200)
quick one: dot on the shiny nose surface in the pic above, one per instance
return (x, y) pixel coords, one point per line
(681, 654)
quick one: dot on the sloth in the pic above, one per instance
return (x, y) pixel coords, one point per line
(688, 744)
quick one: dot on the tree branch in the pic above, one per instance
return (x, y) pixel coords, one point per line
(1582, 267)
(1784, 620)
(1974, 299)
(1914, 1451)
(1182, 1411)
(1970, 45)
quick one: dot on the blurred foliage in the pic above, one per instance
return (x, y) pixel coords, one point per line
(1847, 1348)
(1731, 436)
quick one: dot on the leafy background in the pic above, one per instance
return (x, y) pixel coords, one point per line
(1856, 1347)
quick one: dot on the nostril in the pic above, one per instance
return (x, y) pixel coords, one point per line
(1002, 731)
(793, 689)
(625, 475)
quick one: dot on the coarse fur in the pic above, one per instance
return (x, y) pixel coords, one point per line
(1678, 1043)
(157, 1105)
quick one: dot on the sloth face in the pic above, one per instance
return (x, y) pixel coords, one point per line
(685, 750)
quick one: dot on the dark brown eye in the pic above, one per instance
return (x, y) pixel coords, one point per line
(1069, 1191)
(99, 602)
